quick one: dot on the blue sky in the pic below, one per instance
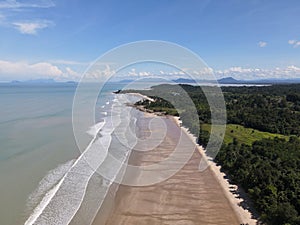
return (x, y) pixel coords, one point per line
(59, 38)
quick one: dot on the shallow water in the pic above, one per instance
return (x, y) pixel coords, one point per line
(35, 137)
(37, 150)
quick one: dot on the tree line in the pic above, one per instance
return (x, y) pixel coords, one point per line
(269, 169)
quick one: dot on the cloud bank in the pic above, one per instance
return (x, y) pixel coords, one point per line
(64, 70)
(259, 73)
(237, 72)
(12, 13)
(24, 71)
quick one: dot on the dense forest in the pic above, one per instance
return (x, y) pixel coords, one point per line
(260, 152)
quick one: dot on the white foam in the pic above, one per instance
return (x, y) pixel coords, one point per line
(84, 172)
(63, 200)
(115, 169)
(95, 129)
(46, 186)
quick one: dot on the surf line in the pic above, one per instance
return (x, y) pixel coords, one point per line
(51, 193)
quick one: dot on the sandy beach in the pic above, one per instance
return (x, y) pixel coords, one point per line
(188, 197)
(231, 191)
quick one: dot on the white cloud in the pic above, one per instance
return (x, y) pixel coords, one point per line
(101, 72)
(238, 69)
(70, 74)
(294, 43)
(237, 72)
(31, 27)
(13, 4)
(134, 73)
(16, 68)
(291, 42)
(12, 10)
(24, 71)
(247, 73)
(144, 74)
(204, 72)
(262, 44)
(258, 73)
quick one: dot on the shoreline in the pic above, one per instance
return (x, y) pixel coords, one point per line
(244, 215)
(148, 205)
(187, 197)
(200, 199)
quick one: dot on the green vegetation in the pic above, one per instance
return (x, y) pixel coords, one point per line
(167, 111)
(244, 135)
(268, 170)
(261, 148)
(159, 106)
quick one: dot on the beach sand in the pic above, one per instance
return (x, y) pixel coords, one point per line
(189, 197)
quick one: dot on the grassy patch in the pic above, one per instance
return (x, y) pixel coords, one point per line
(244, 135)
(169, 111)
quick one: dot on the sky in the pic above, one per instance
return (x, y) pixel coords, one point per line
(59, 39)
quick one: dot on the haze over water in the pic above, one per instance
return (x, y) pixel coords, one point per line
(37, 145)
(35, 136)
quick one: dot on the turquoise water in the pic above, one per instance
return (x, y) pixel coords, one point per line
(38, 151)
(35, 137)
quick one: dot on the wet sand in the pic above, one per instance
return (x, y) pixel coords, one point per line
(189, 197)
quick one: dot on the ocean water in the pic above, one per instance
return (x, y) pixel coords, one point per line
(45, 179)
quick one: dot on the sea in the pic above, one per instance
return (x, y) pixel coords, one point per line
(45, 177)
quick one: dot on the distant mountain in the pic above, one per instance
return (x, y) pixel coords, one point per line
(144, 80)
(226, 80)
(71, 82)
(36, 81)
(183, 80)
(41, 81)
(229, 80)
(15, 82)
(277, 81)
(126, 81)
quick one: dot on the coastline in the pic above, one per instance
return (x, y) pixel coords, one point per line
(197, 200)
(137, 205)
(201, 199)
(245, 216)
(231, 191)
